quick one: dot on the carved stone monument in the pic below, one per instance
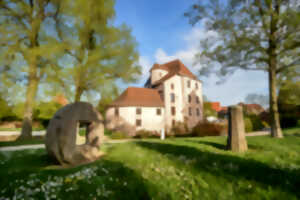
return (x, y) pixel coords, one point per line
(236, 130)
(62, 132)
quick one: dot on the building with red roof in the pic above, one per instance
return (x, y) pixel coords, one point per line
(171, 94)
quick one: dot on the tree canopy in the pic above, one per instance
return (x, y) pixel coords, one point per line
(250, 35)
(99, 53)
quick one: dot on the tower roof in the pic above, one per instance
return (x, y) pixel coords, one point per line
(173, 67)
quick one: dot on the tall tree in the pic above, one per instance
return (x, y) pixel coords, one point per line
(251, 35)
(28, 46)
(98, 53)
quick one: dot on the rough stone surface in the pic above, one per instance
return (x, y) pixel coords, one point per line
(62, 132)
(236, 130)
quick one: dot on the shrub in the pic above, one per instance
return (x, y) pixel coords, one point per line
(180, 129)
(145, 134)
(257, 123)
(248, 125)
(206, 128)
(119, 135)
(108, 132)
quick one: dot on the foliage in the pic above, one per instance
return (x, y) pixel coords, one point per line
(29, 47)
(98, 53)
(256, 122)
(5, 109)
(108, 94)
(248, 125)
(249, 35)
(46, 110)
(289, 103)
(180, 129)
(145, 134)
(206, 128)
(119, 135)
(196, 168)
(208, 110)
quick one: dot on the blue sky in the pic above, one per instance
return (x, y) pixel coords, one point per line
(164, 34)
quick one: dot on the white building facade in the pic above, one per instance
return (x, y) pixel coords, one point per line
(172, 94)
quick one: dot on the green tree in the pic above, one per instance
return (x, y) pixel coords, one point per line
(28, 46)
(208, 110)
(98, 53)
(250, 35)
(108, 94)
(5, 109)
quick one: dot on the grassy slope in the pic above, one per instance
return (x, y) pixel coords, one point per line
(183, 168)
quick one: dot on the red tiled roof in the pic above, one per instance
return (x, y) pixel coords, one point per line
(173, 67)
(133, 96)
(216, 106)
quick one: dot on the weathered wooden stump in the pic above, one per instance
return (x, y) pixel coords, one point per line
(62, 132)
(236, 130)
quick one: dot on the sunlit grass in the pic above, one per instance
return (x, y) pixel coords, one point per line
(178, 168)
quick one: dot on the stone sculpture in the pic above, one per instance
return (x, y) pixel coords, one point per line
(62, 132)
(236, 130)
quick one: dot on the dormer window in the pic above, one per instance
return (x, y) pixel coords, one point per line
(172, 86)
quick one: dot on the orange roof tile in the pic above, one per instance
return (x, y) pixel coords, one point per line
(133, 96)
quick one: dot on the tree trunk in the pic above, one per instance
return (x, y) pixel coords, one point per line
(275, 123)
(32, 86)
(78, 94)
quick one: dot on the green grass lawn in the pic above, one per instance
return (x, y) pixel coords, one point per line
(179, 168)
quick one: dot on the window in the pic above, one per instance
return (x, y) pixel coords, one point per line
(158, 111)
(160, 74)
(198, 112)
(190, 111)
(138, 111)
(190, 98)
(172, 97)
(173, 110)
(189, 84)
(138, 122)
(197, 99)
(172, 86)
(173, 122)
(196, 85)
(116, 111)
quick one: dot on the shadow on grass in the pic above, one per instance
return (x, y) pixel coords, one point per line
(220, 165)
(109, 179)
(223, 146)
(213, 144)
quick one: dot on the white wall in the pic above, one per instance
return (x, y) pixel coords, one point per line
(150, 120)
(157, 74)
(178, 104)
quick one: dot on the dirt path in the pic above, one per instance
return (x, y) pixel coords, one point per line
(258, 133)
(42, 146)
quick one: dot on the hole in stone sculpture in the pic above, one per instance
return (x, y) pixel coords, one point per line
(82, 130)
